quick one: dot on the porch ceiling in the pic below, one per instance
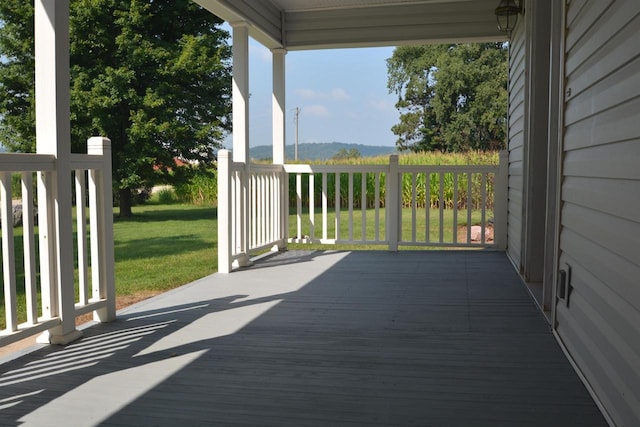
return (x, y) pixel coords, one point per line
(318, 24)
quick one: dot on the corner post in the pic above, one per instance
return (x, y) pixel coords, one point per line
(225, 226)
(392, 203)
(240, 96)
(500, 204)
(53, 135)
(101, 226)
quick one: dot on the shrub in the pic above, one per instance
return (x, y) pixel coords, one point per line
(167, 196)
(201, 188)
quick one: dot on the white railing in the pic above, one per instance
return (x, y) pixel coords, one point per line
(22, 279)
(401, 205)
(316, 185)
(252, 212)
(392, 205)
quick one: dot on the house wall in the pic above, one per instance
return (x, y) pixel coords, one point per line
(599, 322)
(518, 85)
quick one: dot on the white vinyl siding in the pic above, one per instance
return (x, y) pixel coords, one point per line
(517, 114)
(600, 216)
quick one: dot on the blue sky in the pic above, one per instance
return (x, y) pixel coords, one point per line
(343, 96)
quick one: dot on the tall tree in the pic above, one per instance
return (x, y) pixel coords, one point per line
(450, 97)
(17, 76)
(152, 75)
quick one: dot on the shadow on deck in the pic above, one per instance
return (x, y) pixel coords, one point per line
(315, 338)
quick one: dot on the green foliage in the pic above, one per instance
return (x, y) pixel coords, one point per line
(154, 76)
(451, 97)
(201, 188)
(167, 196)
(16, 185)
(344, 154)
(17, 76)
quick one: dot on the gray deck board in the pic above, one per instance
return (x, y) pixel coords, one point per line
(314, 339)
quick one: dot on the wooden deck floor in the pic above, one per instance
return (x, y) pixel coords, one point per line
(318, 339)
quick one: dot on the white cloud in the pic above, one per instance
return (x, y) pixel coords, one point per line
(316, 110)
(339, 94)
(307, 93)
(260, 52)
(384, 105)
(335, 94)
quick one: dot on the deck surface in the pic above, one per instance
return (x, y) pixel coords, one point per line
(314, 339)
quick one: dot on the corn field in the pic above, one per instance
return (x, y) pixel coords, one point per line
(455, 189)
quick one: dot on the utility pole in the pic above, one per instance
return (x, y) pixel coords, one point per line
(297, 118)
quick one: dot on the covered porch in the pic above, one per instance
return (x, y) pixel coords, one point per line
(315, 338)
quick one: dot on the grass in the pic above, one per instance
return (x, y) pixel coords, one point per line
(434, 221)
(164, 246)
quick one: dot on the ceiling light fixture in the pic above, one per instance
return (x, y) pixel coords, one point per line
(507, 15)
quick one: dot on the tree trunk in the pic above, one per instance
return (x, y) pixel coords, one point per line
(125, 202)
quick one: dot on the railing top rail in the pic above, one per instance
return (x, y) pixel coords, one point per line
(26, 162)
(86, 161)
(262, 167)
(335, 168)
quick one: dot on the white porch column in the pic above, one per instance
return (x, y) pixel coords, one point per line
(54, 190)
(240, 98)
(279, 138)
(278, 106)
(225, 224)
(240, 94)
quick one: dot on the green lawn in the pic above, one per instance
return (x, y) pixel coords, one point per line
(164, 246)
(434, 222)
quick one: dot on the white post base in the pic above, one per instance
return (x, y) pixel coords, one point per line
(243, 260)
(280, 246)
(51, 338)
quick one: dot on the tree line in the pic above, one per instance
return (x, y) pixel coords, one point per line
(451, 98)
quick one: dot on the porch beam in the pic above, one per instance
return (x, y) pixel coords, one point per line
(53, 136)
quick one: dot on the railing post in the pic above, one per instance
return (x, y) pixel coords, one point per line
(501, 200)
(284, 188)
(243, 214)
(101, 230)
(224, 212)
(392, 203)
(8, 253)
(47, 238)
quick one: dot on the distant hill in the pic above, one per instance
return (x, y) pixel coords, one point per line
(319, 150)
